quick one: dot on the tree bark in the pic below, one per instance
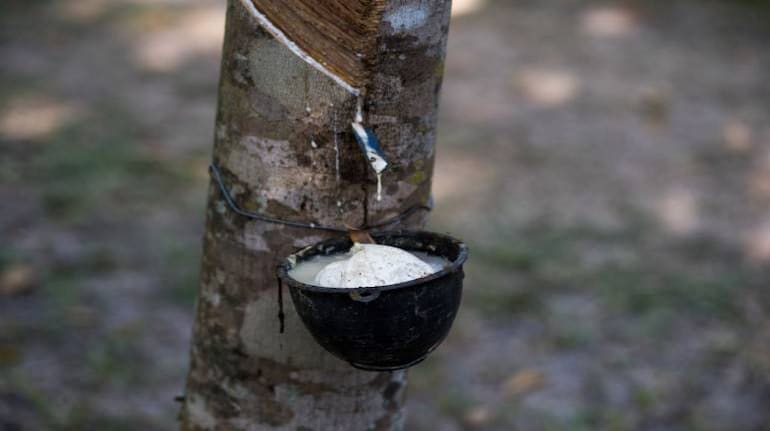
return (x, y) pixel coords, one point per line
(281, 125)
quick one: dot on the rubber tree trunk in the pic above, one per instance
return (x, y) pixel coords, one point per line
(282, 126)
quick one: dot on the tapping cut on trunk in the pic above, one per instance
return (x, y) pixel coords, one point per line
(338, 37)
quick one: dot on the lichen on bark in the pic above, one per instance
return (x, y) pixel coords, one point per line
(277, 122)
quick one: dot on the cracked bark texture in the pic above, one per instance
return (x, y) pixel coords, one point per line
(277, 124)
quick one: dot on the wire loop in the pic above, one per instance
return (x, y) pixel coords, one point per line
(216, 174)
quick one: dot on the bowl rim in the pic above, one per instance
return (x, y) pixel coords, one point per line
(286, 263)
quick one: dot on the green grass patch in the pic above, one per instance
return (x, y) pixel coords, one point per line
(97, 164)
(659, 278)
(454, 402)
(184, 289)
(181, 273)
(642, 291)
(640, 272)
(111, 360)
(512, 272)
(63, 290)
(85, 417)
(572, 338)
(503, 301)
(428, 376)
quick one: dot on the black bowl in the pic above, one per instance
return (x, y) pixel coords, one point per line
(382, 328)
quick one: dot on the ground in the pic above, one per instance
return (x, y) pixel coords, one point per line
(607, 162)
